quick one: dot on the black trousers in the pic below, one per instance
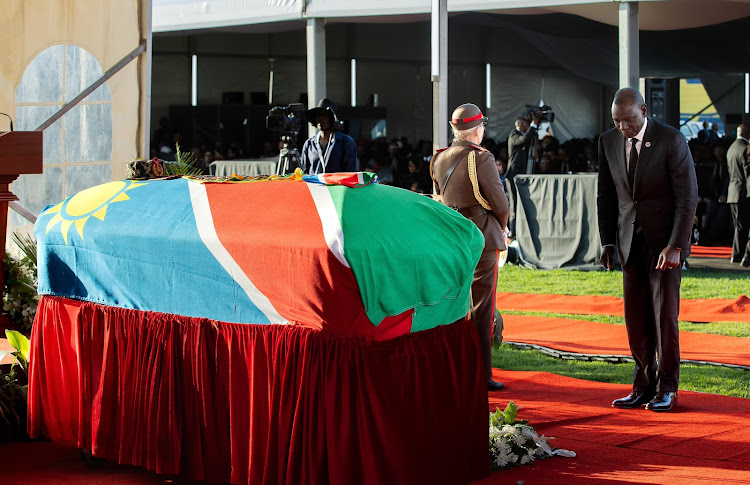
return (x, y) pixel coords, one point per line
(512, 201)
(483, 289)
(652, 306)
(741, 219)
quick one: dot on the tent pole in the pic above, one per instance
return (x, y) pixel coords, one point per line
(629, 45)
(439, 71)
(144, 79)
(316, 64)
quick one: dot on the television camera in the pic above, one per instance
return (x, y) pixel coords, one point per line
(288, 121)
(546, 112)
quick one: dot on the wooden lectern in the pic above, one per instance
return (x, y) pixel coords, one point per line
(20, 152)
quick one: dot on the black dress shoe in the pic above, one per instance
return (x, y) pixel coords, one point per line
(663, 401)
(745, 263)
(494, 385)
(633, 400)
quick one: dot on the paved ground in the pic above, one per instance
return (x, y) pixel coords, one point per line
(716, 263)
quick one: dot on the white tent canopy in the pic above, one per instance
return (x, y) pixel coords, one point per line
(564, 52)
(179, 15)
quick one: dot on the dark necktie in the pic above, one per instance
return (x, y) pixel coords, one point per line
(633, 161)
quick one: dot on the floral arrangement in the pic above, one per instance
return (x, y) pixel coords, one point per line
(20, 297)
(515, 442)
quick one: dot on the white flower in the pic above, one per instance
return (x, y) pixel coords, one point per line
(501, 460)
(541, 442)
(528, 432)
(517, 444)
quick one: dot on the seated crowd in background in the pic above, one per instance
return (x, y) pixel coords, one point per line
(713, 219)
(399, 163)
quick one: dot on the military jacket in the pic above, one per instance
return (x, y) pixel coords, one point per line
(459, 192)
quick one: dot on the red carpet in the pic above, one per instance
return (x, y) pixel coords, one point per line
(585, 337)
(703, 441)
(710, 252)
(698, 310)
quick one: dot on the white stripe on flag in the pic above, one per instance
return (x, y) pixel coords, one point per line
(205, 222)
(332, 230)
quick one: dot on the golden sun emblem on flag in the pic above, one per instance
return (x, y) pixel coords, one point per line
(90, 202)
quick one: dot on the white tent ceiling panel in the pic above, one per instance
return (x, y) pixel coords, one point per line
(173, 15)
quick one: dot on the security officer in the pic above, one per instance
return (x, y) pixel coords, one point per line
(465, 178)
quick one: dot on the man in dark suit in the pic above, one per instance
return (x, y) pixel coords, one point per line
(646, 199)
(738, 195)
(466, 179)
(520, 141)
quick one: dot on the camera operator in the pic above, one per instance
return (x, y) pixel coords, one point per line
(521, 139)
(329, 150)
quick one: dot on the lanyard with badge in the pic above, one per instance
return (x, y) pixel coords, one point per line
(323, 156)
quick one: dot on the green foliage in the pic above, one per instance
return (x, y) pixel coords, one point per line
(186, 164)
(13, 385)
(20, 297)
(20, 343)
(27, 245)
(508, 416)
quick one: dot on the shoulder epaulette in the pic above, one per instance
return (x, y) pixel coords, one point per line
(480, 148)
(441, 150)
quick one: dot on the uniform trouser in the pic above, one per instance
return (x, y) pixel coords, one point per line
(741, 218)
(652, 305)
(483, 288)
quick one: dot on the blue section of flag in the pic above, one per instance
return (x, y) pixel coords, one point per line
(145, 254)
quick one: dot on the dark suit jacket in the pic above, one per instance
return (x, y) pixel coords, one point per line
(663, 199)
(739, 171)
(459, 193)
(518, 151)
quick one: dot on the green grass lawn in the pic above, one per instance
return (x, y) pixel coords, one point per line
(712, 379)
(695, 284)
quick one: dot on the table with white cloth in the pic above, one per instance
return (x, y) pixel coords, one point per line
(225, 168)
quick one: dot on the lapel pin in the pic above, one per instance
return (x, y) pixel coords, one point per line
(648, 144)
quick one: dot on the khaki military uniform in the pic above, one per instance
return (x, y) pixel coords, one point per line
(459, 194)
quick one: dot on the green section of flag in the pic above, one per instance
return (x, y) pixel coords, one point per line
(407, 251)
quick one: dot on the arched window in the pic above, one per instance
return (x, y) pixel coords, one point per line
(78, 146)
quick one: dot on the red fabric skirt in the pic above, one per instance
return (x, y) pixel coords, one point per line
(258, 404)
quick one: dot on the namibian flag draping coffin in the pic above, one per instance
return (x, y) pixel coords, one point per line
(363, 260)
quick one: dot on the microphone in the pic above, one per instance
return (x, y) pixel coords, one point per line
(11, 120)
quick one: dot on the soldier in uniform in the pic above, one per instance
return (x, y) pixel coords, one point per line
(465, 178)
